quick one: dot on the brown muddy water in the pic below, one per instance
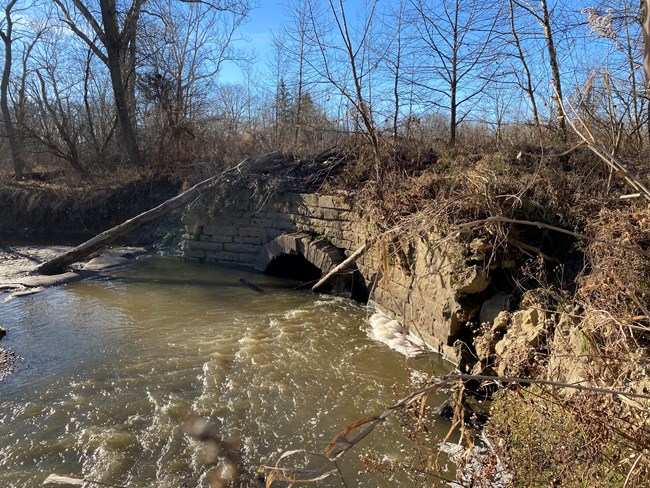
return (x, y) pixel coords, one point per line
(112, 366)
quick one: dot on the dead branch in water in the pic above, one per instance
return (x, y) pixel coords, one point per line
(341, 443)
(351, 259)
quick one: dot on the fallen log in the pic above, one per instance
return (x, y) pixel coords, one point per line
(347, 262)
(59, 263)
(350, 260)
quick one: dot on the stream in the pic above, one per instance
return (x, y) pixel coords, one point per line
(112, 367)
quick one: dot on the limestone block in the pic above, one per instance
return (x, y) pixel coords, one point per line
(531, 324)
(199, 246)
(517, 347)
(399, 292)
(308, 199)
(248, 240)
(245, 258)
(242, 248)
(472, 279)
(218, 230)
(500, 322)
(252, 232)
(299, 219)
(194, 254)
(570, 347)
(222, 239)
(260, 222)
(493, 306)
(234, 222)
(243, 203)
(350, 236)
(330, 214)
(398, 276)
(221, 255)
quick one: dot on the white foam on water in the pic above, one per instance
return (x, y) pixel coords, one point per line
(391, 332)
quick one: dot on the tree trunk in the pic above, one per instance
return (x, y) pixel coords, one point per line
(529, 89)
(555, 68)
(645, 16)
(114, 46)
(10, 128)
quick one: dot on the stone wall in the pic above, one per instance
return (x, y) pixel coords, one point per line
(427, 286)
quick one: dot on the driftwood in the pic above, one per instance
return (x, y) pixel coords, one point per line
(250, 285)
(351, 259)
(60, 262)
(347, 262)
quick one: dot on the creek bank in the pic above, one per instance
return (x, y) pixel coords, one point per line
(34, 209)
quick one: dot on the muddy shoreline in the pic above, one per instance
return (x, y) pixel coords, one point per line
(17, 264)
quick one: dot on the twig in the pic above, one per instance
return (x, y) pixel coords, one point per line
(629, 475)
(55, 479)
(609, 159)
(558, 384)
(541, 225)
(340, 444)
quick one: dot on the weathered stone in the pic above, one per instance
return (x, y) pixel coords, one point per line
(500, 322)
(221, 239)
(309, 200)
(218, 230)
(248, 240)
(517, 347)
(252, 232)
(472, 279)
(242, 248)
(221, 255)
(494, 306)
(206, 246)
(194, 253)
(569, 347)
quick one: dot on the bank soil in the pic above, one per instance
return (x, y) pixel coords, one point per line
(35, 208)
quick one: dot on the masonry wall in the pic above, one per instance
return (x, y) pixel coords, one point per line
(428, 287)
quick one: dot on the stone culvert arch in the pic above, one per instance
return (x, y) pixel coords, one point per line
(307, 257)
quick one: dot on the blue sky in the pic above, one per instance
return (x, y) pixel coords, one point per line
(263, 21)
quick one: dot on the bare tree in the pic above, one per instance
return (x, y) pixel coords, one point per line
(339, 49)
(543, 16)
(459, 64)
(183, 48)
(115, 46)
(298, 46)
(614, 99)
(100, 115)
(526, 83)
(59, 124)
(7, 35)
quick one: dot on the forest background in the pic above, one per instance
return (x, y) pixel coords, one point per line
(91, 86)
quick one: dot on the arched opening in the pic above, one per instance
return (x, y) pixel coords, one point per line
(294, 267)
(306, 258)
